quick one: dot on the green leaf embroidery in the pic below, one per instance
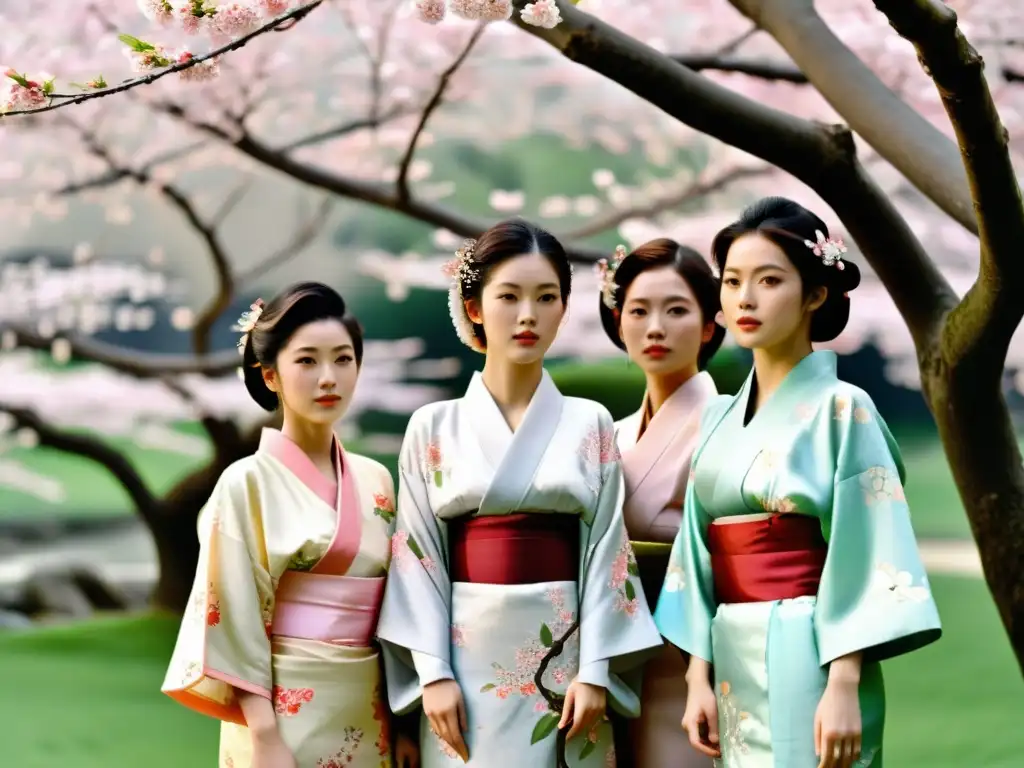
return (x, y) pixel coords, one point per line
(438, 477)
(588, 747)
(486, 688)
(544, 727)
(633, 569)
(415, 548)
(545, 635)
(630, 592)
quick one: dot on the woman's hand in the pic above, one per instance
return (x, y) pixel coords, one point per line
(584, 706)
(407, 752)
(700, 720)
(270, 751)
(837, 725)
(445, 709)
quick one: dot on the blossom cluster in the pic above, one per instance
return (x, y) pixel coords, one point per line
(540, 13)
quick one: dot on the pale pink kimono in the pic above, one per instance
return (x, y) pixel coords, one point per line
(285, 604)
(656, 466)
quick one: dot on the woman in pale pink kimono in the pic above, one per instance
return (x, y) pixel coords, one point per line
(659, 305)
(277, 641)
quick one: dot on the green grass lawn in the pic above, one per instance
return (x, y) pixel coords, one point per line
(87, 695)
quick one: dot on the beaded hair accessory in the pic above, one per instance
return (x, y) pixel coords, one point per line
(461, 270)
(830, 250)
(247, 322)
(606, 274)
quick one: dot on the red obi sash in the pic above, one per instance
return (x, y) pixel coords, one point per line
(514, 549)
(777, 558)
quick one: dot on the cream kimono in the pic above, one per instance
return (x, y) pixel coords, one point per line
(656, 465)
(285, 604)
(459, 459)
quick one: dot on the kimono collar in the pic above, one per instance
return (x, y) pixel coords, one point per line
(693, 393)
(675, 423)
(514, 457)
(822, 364)
(274, 442)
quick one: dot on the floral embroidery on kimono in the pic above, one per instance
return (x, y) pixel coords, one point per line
(623, 567)
(288, 701)
(350, 739)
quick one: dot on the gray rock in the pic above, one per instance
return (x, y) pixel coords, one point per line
(9, 620)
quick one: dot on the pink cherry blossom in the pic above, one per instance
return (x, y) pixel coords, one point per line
(431, 11)
(542, 13)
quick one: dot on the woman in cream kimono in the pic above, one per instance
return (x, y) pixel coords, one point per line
(659, 304)
(277, 641)
(513, 582)
(796, 566)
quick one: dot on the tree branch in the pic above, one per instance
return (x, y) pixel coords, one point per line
(980, 329)
(142, 365)
(693, 191)
(344, 129)
(281, 23)
(915, 147)
(383, 196)
(402, 182)
(775, 71)
(147, 505)
(225, 286)
(823, 157)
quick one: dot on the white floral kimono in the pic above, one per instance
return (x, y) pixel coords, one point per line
(285, 605)
(461, 462)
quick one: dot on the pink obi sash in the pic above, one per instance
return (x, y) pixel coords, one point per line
(341, 610)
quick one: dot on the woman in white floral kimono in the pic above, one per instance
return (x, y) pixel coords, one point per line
(795, 570)
(513, 582)
(659, 304)
(294, 546)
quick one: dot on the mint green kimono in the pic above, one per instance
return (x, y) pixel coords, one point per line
(818, 447)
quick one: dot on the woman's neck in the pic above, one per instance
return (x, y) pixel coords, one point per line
(512, 386)
(315, 440)
(773, 364)
(661, 387)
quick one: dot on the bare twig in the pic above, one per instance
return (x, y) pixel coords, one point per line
(402, 182)
(301, 240)
(93, 449)
(346, 128)
(694, 191)
(281, 23)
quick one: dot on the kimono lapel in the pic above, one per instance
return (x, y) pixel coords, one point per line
(675, 424)
(341, 496)
(515, 457)
(735, 447)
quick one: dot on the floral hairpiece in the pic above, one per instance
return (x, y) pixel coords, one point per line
(247, 322)
(461, 270)
(829, 250)
(606, 274)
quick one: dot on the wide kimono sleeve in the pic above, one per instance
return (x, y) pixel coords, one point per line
(686, 605)
(617, 633)
(874, 596)
(414, 628)
(223, 644)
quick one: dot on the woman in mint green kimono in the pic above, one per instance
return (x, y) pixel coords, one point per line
(795, 571)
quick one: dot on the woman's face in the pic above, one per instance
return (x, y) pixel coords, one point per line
(316, 372)
(520, 308)
(762, 295)
(661, 324)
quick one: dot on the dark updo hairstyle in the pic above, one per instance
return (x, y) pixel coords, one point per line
(296, 306)
(503, 241)
(788, 225)
(690, 266)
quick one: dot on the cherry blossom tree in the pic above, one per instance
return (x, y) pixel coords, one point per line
(880, 112)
